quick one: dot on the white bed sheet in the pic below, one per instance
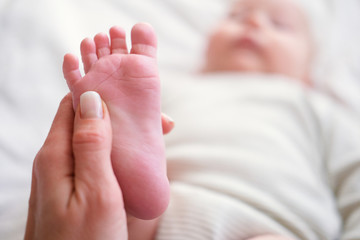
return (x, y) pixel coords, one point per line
(35, 34)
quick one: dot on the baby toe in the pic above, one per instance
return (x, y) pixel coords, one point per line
(118, 40)
(102, 45)
(88, 53)
(143, 39)
(71, 70)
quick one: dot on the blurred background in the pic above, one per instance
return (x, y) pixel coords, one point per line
(36, 34)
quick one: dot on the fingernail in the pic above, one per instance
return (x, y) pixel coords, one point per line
(91, 105)
(168, 119)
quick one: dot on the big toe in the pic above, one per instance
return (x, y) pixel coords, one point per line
(143, 40)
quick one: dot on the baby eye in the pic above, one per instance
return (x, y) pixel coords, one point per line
(237, 16)
(280, 24)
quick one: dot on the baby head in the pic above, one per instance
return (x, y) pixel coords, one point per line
(268, 36)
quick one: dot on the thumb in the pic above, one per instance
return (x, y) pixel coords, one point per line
(92, 143)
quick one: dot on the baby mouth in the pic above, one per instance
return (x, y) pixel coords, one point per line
(248, 43)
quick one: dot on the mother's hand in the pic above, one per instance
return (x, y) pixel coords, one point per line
(74, 192)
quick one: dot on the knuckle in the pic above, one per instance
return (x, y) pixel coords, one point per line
(41, 160)
(106, 200)
(89, 137)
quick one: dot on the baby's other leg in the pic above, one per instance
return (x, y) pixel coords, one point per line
(129, 84)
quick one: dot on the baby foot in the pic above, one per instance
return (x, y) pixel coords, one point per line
(129, 84)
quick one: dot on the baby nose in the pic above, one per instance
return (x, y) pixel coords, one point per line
(254, 19)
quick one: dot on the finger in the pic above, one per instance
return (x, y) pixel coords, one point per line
(92, 145)
(53, 166)
(167, 123)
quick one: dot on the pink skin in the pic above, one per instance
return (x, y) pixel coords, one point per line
(74, 192)
(269, 36)
(129, 85)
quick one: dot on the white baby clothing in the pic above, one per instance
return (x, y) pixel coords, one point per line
(253, 155)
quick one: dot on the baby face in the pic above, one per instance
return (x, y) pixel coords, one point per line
(269, 36)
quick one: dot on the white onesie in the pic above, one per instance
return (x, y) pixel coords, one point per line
(255, 154)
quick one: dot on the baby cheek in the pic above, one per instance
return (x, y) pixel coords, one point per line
(300, 55)
(287, 57)
(217, 49)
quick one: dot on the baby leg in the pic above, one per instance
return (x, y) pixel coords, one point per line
(129, 84)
